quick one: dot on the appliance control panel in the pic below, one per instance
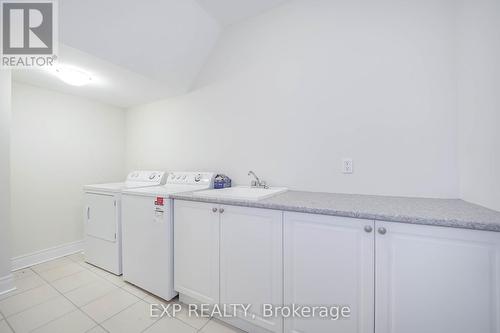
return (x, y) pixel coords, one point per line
(191, 178)
(156, 177)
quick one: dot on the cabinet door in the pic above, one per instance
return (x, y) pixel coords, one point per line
(101, 216)
(329, 261)
(196, 250)
(251, 261)
(436, 280)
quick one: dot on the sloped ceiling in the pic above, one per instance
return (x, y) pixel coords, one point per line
(111, 84)
(143, 50)
(165, 40)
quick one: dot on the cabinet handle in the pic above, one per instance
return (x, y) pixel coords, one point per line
(214, 210)
(221, 210)
(368, 228)
(382, 230)
(88, 213)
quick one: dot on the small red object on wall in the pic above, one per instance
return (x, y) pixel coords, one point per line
(159, 201)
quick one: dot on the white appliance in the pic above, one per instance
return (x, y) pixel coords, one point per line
(102, 218)
(148, 231)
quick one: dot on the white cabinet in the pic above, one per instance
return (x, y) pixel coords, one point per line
(436, 280)
(244, 245)
(329, 261)
(196, 250)
(251, 262)
(394, 277)
(421, 278)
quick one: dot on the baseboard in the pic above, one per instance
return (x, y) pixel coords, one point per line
(38, 257)
(7, 284)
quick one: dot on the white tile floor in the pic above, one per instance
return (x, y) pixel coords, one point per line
(71, 296)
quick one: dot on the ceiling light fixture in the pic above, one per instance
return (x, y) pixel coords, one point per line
(73, 76)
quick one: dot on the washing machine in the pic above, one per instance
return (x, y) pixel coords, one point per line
(102, 218)
(148, 245)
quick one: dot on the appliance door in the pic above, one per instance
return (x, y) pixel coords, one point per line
(101, 216)
(147, 242)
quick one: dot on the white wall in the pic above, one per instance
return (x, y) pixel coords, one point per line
(291, 92)
(59, 143)
(5, 124)
(479, 101)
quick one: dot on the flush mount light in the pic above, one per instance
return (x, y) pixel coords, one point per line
(73, 76)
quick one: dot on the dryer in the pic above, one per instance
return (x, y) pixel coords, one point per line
(102, 218)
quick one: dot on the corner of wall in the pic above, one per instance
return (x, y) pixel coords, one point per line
(6, 280)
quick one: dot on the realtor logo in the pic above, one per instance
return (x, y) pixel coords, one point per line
(28, 33)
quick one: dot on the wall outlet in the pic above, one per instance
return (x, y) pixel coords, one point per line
(347, 166)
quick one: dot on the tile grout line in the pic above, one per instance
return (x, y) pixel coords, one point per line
(118, 287)
(63, 265)
(129, 306)
(61, 294)
(74, 260)
(139, 300)
(81, 286)
(146, 293)
(50, 284)
(22, 292)
(104, 329)
(174, 318)
(76, 306)
(85, 284)
(8, 324)
(201, 328)
(32, 306)
(45, 262)
(160, 318)
(79, 308)
(197, 329)
(156, 321)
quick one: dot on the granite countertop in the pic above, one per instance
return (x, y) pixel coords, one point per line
(438, 212)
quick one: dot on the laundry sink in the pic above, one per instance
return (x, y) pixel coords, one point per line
(242, 193)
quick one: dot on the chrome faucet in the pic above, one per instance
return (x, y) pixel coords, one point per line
(257, 182)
